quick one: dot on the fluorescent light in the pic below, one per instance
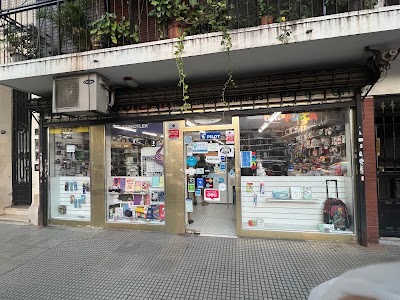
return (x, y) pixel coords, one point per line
(189, 123)
(149, 133)
(270, 120)
(124, 128)
(274, 116)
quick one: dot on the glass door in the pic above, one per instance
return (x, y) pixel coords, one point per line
(210, 180)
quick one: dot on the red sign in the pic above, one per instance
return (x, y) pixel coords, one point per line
(211, 195)
(173, 133)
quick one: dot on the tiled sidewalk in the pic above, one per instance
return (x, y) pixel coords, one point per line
(70, 263)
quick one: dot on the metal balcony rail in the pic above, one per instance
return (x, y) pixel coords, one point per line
(31, 29)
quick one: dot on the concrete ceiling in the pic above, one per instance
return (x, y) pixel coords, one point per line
(154, 65)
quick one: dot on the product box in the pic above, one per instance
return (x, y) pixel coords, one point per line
(326, 228)
(307, 193)
(296, 193)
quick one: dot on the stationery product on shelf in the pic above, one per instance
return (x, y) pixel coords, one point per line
(281, 195)
(307, 193)
(295, 193)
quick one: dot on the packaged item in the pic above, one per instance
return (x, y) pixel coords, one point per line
(281, 195)
(307, 193)
(62, 209)
(326, 228)
(295, 193)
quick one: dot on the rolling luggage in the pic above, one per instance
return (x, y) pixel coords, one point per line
(335, 211)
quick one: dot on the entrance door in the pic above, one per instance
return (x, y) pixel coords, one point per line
(21, 150)
(210, 180)
(387, 122)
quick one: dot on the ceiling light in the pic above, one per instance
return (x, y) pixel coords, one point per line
(189, 123)
(149, 133)
(270, 120)
(124, 128)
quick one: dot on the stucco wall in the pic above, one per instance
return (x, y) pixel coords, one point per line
(389, 84)
(5, 147)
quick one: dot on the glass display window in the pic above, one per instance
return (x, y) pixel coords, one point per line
(69, 174)
(135, 180)
(291, 163)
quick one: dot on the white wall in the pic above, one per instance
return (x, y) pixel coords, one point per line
(389, 84)
(5, 147)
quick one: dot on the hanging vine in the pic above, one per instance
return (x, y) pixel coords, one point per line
(227, 43)
(179, 48)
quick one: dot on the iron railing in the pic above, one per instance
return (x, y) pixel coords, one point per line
(32, 29)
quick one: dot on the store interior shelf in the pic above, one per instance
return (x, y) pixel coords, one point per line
(294, 200)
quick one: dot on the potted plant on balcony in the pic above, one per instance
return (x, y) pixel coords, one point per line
(71, 18)
(22, 43)
(171, 16)
(108, 31)
(265, 13)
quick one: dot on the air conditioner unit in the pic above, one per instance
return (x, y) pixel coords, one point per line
(81, 95)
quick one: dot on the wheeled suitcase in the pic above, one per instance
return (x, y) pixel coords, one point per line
(335, 211)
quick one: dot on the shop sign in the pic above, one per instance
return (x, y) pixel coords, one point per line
(189, 205)
(213, 147)
(189, 151)
(222, 166)
(200, 183)
(213, 159)
(200, 147)
(222, 187)
(188, 139)
(230, 137)
(200, 171)
(214, 135)
(191, 171)
(212, 195)
(70, 148)
(173, 131)
(209, 183)
(197, 193)
(191, 188)
(191, 161)
(68, 130)
(245, 159)
(227, 150)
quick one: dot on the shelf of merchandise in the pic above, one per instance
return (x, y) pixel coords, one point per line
(295, 201)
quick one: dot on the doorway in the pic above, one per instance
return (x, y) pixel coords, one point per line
(210, 180)
(21, 150)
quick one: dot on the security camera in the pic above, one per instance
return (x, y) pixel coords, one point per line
(390, 55)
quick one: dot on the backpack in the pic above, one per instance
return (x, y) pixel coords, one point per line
(335, 212)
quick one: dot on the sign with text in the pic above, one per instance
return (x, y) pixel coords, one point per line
(245, 159)
(200, 147)
(212, 195)
(214, 135)
(173, 131)
(230, 137)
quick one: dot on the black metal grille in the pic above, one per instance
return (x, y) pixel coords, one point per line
(387, 122)
(21, 149)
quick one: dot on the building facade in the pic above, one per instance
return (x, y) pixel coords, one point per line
(121, 146)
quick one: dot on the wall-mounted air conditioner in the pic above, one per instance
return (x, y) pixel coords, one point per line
(81, 95)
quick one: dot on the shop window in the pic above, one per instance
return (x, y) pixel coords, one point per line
(69, 174)
(135, 181)
(290, 164)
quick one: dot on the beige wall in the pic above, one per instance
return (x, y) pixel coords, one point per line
(5, 147)
(389, 84)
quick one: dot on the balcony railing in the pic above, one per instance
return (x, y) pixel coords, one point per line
(41, 28)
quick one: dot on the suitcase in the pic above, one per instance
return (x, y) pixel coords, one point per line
(335, 211)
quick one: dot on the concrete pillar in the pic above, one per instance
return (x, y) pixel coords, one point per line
(5, 147)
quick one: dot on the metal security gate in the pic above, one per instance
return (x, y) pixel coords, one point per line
(387, 127)
(21, 150)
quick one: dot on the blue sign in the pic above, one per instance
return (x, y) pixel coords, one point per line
(191, 161)
(200, 183)
(245, 159)
(214, 135)
(198, 193)
(222, 166)
(221, 180)
(188, 139)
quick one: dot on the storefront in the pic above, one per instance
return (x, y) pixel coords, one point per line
(259, 166)
(259, 175)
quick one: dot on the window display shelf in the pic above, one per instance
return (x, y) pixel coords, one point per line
(295, 201)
